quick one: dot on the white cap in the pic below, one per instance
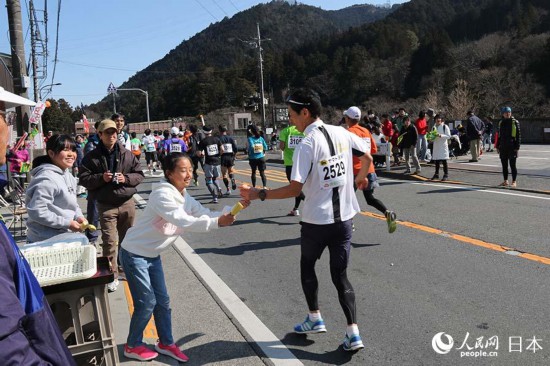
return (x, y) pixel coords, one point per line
(174, 130)
(353, 113)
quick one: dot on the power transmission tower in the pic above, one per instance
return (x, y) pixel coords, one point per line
(39, 48)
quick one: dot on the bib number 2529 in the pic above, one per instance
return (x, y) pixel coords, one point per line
(334, 170)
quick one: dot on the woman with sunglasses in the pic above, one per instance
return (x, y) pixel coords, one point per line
(51, 196)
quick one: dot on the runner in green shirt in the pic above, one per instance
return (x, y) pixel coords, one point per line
(135, 144)
(289, 138)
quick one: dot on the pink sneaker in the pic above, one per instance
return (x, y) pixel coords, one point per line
(141, 353)
(172, 351)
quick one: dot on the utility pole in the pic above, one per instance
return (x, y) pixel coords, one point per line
(261, 65)
(20, 78)
(33, 52)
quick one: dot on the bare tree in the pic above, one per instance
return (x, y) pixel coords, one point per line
(460, 100)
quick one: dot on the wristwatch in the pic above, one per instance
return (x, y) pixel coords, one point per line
(262, 194)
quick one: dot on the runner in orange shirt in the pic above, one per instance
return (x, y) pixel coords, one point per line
(352, 116)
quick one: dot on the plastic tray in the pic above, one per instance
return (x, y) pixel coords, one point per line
(62, 262)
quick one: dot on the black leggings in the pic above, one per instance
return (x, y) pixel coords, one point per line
(504, 159)
(371, 200)
(338, 237)
(445, 167)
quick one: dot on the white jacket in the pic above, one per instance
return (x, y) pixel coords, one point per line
(441, 146)
(168, 214)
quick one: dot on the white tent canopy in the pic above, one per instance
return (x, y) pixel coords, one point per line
(13, 100)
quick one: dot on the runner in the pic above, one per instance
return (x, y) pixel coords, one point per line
(149, 142)
(256, 154)
(352, 116)
(174, 144)
(210, 148)
(289, 139)
(135, 144)
(229, 147)
(323, 167)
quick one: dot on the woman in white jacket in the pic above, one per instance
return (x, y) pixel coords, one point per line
(441, 147)
(169, 212)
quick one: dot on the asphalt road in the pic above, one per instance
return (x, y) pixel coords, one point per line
(452, 266)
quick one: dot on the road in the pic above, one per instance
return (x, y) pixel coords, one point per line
(466, 261)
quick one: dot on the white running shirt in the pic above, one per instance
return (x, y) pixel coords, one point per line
(327, 178)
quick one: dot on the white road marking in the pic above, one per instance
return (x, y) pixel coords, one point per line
(254, 330)
(484, 190)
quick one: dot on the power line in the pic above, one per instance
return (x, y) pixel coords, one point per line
(208, 11)
(219, 7)
(235, 6)
(56, 40)
(142, 71)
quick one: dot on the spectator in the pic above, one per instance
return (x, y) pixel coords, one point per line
(29, 334)
(79, 143)
(123, 136)
(474, 130)
(92, 215)
(170, 210)
(51, 196)
(508, 144)
(441, 148)
(409, 137)
(488, 134)
(111, 174)
(19, 163)
(422, 128)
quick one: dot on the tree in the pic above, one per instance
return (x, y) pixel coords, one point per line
(57, 117)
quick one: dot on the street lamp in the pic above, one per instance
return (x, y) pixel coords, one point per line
(45, 86)
(146, 100)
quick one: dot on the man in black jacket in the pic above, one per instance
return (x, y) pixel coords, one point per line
(111, 174)
(409, 137)
(474, 130)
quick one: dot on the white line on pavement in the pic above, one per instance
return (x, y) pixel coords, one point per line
(483, 190)
(467, 163)
(245, 319)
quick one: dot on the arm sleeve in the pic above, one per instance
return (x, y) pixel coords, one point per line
(40, 196)
(135, 176)
(191, 216)
(86, 176)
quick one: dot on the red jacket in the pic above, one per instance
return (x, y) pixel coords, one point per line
(421, 126)
(387, 129)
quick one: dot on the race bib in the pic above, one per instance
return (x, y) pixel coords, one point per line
(227, 148)
(150, 147)
(258, 148)
(135, 146)
(175, 148)
(294, 141)
(212, 150)
(332, 172)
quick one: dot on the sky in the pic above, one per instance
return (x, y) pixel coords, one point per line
(107, 41)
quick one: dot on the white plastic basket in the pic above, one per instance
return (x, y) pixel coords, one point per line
(62, 263)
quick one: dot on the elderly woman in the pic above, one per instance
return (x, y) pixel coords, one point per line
(441, 148)
(51, 196)
(169, 212)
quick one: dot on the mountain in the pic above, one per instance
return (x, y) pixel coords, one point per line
(218, 67)
(450, 55)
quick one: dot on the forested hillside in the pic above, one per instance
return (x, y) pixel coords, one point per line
(451, 55)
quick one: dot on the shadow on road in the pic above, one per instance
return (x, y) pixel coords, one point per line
(335, 357)
(246, 247)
